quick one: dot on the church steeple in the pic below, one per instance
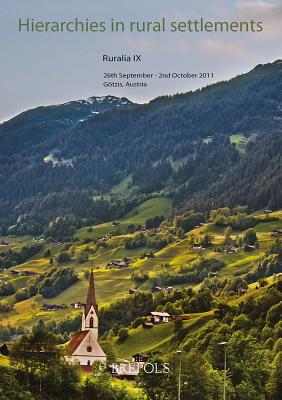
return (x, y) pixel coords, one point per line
(90, 314)
(91, 296)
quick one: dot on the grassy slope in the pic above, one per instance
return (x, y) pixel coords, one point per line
(240, 142)
(148, 209)
(112, 284)
(4, 361)
(160, 337)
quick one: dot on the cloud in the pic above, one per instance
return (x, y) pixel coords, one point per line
(270, 13)
(222, 49)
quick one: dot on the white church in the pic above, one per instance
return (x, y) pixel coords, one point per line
(84, 346)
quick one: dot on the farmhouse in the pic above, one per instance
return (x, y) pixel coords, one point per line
(159, 317)
(197, 247)
(140, 358)
(156, 289)
(231, 250)
(84, 346)
(169, 289)
(77, 305)
(115, 223)
(249, 248)
(14, 272)
(53, 307)
(5, 243)
(276, 233)
(118, 264)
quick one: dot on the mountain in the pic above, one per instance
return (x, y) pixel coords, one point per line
(42, 123)
(220, 145)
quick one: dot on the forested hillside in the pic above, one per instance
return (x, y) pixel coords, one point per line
(218, 276)
(221, 140)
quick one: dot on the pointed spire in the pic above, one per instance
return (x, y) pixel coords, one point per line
(91, 297)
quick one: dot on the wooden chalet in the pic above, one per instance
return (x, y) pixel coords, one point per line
(140, 357)
(159, 317)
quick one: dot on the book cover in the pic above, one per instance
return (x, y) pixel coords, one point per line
(140, 200)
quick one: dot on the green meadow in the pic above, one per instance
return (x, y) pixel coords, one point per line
(113, 284)
(148, 209)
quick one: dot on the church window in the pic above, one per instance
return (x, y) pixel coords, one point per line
(91, 322)
(88, 362)
(89, 349)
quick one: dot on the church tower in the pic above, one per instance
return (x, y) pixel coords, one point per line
(90, 312)
(84, 346)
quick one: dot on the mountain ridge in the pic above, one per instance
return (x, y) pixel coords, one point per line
(57, 117)
(178, 146)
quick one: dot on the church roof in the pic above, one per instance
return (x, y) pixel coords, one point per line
(79, 337)
(76, 340)
(91, 296)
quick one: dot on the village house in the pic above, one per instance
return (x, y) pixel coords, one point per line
(115, 223)
(169, 289)
(140, 358)
(53, 307)
(231, 250)
(156, 289)
(248, 248)
(104, 239)
(159, 317)
(84, 347)
(119, 264)
(15, 272)
(30, 273)
(147, 255)
(127, 260)
(197, 247)
(276, 233)
(147, 325)
(77, 305)
(129, 370)
(5, 243)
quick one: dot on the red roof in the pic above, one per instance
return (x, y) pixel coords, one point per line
(76, 340)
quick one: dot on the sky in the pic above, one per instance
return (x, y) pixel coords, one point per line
(52, 68)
